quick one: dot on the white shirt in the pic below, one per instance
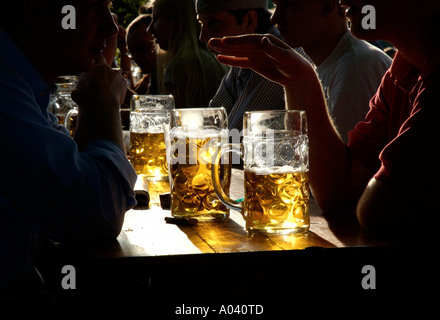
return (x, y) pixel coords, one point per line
(350, 77)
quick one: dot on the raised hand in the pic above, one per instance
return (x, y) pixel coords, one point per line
(99, 95)
(265, 54)
(100, 87)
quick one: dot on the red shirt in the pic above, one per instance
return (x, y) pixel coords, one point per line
(398, 138)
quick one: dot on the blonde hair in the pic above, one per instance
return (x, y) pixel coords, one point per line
(185, 49)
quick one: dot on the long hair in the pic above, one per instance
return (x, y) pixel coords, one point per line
(184, 46)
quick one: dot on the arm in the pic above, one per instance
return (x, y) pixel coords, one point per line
(337, 178)
(381, 209)
(402, 196)
(110, 45)
(99, 95)
(125, 58)
(58, 191)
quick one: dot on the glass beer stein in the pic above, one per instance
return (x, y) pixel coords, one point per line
(61, 101)
(195, 135)
(149, 117)
(152, 101)
(276, 165)
(71, 120)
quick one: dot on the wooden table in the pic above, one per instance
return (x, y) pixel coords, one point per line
(215, 261)
(145, 233)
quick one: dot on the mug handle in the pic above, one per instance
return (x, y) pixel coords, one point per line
(215, 172)
(68, 121)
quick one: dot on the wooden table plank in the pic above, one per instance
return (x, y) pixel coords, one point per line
(156, 188)
(148, 230)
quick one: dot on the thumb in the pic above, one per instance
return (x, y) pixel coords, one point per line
(270, 48)
(278, 50)
(100, 59)
(76, 96)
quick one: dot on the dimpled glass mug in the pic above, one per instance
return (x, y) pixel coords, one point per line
(149, 117)
(195, 136)
(276, 165)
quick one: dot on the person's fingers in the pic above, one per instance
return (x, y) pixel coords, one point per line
(240, 62)
(215, 42)
(276, 41)
(272, 50)
(282, 55)
(237, 44)
(115, 17)
(100, 59)
(244, 41)
(276, 49)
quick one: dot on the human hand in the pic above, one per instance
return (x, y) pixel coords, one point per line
(101, 87)
(265, 54)
(122, 44)
(99, 94)
(110, 44)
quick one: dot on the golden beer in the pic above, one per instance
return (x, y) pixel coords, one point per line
(276, 202)
(61, 118)
(73, 121)
(148, 154)
(192, 191)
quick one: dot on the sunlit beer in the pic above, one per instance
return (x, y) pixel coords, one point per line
(191, 150)
(276, 200)
(192, 192)
(147, 154)
(276, 165)
(149, 118)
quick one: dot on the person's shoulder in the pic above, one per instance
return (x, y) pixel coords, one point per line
(12, 84)
(356, 55)
(365, 50)
(7, 74)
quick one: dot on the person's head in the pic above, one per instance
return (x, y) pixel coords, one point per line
(52, 49)
(176, 30)
(232, 18)
(303, 23)
(174, 24)
(395, 19)
(141, 43)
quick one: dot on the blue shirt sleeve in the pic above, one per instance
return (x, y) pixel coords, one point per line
(47, 186)
(50, 187)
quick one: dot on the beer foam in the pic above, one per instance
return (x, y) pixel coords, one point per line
(273, 170)
(182, 133)
(192, 120)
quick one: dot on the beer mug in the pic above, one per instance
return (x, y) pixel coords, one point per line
(195, 135)
(149, 117)
(61, 101)
(276, 164)
(152, 101)
(71, 120)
